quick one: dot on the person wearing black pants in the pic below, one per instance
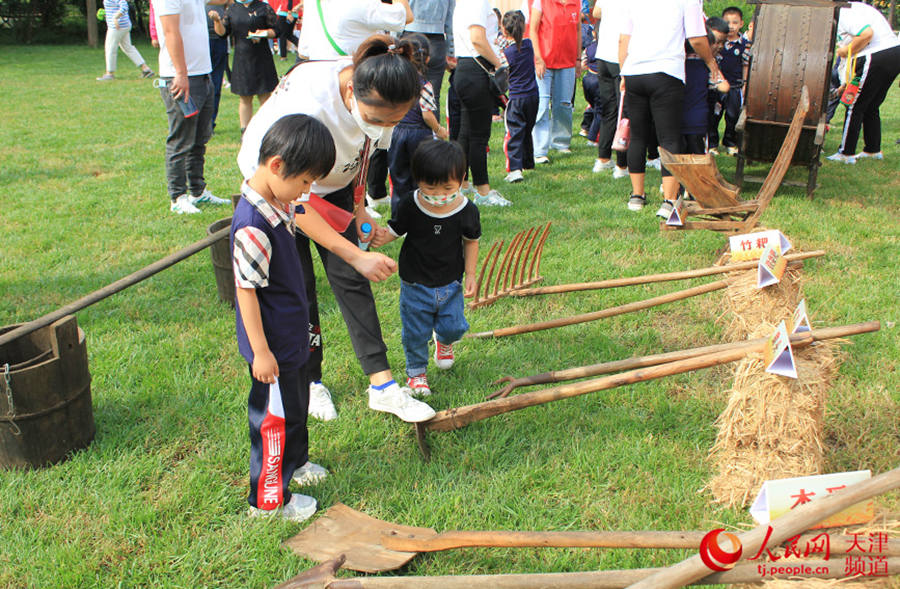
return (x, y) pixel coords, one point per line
(454, 108)
(608, 82)
(473, 89)
(437, 63)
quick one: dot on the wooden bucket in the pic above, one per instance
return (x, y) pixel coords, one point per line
(45, 396)
(220, 252)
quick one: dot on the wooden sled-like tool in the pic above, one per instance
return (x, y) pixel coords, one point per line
(717, 205)
(520, 268)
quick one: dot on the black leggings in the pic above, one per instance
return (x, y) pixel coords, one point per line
(473, 88)
(608, 88)
(877, 72)
(659, 97)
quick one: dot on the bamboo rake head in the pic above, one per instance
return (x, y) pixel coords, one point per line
(519, 268)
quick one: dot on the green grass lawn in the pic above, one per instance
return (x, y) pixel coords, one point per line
(158, 499)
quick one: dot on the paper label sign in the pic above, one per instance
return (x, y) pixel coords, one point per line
(800, 321)
(779, 355)
(750, 246)
(778, 497)
(771, 267)
(676, 217)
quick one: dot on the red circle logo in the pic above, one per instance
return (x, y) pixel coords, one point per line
(714, 556)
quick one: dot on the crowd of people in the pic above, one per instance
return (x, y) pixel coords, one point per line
(363, 103)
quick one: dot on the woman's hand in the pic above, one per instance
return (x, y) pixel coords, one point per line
(374, 266)
(539, 68)
(442, 133)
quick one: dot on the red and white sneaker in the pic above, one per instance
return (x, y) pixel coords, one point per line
(418, 386)
(443, 354)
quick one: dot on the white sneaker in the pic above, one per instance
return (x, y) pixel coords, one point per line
(514, 176)
(374, 202)
(732, 150)
(840, 157)
(541, 159)
(209, 197)
(655, 163)
(866, 154)
(599, 166)
(583, 133)
(592, 143)
(564, 150)
(636, 202)
(183, 206)
(620, 172)
(309, 474)
(320, 404)
(397, 400)
(491, 199)
(665, 209)
(373, 213)
(299, 508)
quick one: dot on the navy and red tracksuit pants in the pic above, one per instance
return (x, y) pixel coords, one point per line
(521, 113)
(279, 441)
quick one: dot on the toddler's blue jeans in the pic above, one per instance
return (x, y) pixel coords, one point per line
(424, 309)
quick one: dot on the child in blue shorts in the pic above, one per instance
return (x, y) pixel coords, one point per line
(442, 228)
(272, 312)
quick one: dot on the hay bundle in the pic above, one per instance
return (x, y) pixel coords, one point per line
(747, 307)
(772, 426)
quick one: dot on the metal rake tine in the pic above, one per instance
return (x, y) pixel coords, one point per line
(515, 268)
(526, 258)
(539, 253)
(503, 265)
(484, 266)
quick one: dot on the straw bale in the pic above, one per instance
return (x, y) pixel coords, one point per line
(746, 307)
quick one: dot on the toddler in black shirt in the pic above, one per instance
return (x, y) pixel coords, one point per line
(437, 259)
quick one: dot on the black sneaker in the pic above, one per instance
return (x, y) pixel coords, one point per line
(636, 202)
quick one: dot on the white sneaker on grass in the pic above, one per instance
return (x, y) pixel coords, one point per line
(514, 176)
(374, 202)
(183, 206)
(665, 209)
(636, 202)
(397, 400)
(655, 163)
(309, 474)
(541, 159)
(299, 508)
(620, 173)
(320, 404)
(600, 165)
(840, 157)
(865, 154)
(208, 197)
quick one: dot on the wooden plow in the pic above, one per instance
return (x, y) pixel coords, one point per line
(520, 268)
(717, 205)
(648, 368)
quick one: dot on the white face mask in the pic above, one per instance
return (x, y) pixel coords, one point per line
(439, 200)
(372, 131)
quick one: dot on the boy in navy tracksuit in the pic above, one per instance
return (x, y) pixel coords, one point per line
(272, 312)
(419, 124)
(521, 112)
(590, 84)
(733, 61)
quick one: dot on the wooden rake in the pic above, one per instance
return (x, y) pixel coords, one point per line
(520, 267)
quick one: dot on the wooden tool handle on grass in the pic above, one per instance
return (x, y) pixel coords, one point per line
(516, 539)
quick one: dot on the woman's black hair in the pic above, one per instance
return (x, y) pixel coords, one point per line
(421, 50)
(303, 143)
(514, 25)
(717, 24)
(436, 161)
(385, 73)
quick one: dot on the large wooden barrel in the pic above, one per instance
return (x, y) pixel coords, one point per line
(45, 396)
(220, 252)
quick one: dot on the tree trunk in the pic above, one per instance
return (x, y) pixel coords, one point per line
(92, 23)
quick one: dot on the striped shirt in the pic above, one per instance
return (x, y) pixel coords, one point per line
(111, 7)
(252, 248)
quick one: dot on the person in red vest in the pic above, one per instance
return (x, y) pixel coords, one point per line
(555, 27)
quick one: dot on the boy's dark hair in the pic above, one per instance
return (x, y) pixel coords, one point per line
(386, 66)
(514, 25)
(733, 10)
(714, 23)
(303, 143)
(421, 51)
(437, 161)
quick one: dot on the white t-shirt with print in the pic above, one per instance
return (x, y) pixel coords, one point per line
(312, 89)
(466, 14)
(612, 12)
(349, 22)
(855, 18)
(658, 29)
(194, 36)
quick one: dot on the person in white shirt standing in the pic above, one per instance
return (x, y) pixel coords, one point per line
(610, 13)
(187, 92)
(876, 52)
(651, 56)
(335, 28)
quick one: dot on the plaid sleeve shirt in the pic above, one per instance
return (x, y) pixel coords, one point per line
(252, 247)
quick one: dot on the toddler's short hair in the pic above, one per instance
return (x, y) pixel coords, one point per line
(437, 161)
(304, 143)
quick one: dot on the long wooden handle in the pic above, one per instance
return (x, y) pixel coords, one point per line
(656, 359)
(516, 539)
(603, 313)
(790, 524)
(651, 278)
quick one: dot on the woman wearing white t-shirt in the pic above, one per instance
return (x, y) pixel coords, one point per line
(877, 54)
(471, 21)
(365, 97)
(610, 13)
(335, 28)
(651, 56)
